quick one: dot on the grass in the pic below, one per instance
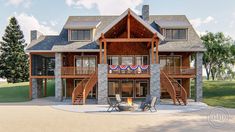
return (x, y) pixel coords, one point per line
(215, 93)
(19, 92)
(219, 93)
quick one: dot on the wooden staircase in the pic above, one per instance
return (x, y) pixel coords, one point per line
(81, 91)
(175, 90)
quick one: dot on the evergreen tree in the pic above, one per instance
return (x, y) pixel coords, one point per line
(13, 60)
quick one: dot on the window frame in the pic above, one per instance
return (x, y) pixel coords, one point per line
(84, 30)
(172, 39)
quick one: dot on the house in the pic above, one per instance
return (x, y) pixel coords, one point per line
(95, 57)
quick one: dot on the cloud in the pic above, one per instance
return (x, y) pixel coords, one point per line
(25, 3)
(198, 21)
(29, 22)
(106, 7)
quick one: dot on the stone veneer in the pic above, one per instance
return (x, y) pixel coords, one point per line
(58, 79)
(102, 83)
(198, 80)
(37, 88)
(155, 81)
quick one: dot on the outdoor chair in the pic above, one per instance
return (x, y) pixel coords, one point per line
(148, 100)
(112, 106)
(118, 98)
(152, 105)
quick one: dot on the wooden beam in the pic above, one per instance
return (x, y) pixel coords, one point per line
(152, 51)
(156, 43)
(30, 74)
(105, 52)
(100, 52)
(49, 77)
(128, 40)
(128, 25)
(45, 87)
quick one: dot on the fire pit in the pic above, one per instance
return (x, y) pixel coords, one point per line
(127, 106)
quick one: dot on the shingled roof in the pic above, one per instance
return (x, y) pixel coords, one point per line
(60, 42)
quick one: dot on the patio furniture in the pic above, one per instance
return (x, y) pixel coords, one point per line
(148, 100)
(118, 98)
(112, 106)
(152, 105)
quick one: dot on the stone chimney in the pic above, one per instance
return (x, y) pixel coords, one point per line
(34, 35)
(145, 12)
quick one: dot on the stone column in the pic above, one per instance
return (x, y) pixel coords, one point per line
(155, 81)
(198, 80)
(58, 79)
(37, 88)
(102, 83)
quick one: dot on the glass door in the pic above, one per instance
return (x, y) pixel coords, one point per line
(127, 88)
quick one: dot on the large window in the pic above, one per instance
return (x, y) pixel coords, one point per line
(80, 35)
(141, 88)
(85, 64)
(176, 34)
(170, 63)
(113, 88)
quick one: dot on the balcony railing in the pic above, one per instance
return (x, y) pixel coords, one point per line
(73, 71)
(128, 69)
(183, 70)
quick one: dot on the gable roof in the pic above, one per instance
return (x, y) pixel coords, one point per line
(60, 42)
(133, 14)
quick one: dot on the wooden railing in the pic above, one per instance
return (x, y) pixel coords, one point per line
(77, 71)
(182, 70)
(89, 85)
(129, 69)
(77, 91)
(181, 91)
(166, 84)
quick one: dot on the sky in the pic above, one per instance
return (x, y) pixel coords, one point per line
(49, 16)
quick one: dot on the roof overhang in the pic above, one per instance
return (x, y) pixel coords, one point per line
(124, 14)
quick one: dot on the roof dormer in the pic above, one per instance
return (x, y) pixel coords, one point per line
(81, 30)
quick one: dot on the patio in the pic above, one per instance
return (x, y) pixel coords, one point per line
(165, 107)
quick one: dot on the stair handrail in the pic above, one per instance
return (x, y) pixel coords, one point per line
(78, 89)
(89, 85)
(171, 89)
(183, 93)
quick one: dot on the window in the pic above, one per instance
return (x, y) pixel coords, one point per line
(170, 63)
(127, 60)
(80, 35)
(141, 60)
(113, 88)
(113, 60)
(176, 34)
(127, 88)
(141, 88)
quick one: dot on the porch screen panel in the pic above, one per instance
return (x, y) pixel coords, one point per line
(127, 60)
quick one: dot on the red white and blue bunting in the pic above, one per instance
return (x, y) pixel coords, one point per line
(113, 67)
(123, 67)
(133, 67)
(144, 67)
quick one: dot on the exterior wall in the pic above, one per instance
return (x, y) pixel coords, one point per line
(58, 79)
(102, 83)
(127, 49)
(198, 80)
(155, 81)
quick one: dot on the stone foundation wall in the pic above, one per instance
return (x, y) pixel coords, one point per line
(102, 83)
(37, 88)
(58, 79)
(198, 81)
(155, 81)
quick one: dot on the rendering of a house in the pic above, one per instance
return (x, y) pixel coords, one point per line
(95, 57)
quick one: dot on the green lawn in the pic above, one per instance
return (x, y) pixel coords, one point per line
(19, 92)
(216, 93)
(219, 93)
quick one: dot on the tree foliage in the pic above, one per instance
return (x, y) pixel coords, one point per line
(220, 54)
(14, 61)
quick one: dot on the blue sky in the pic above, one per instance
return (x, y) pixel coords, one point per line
(48, 16)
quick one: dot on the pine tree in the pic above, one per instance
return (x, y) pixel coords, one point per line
(13, 60)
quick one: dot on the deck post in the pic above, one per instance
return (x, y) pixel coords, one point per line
(58, 79)
(198, 80)
(105, 52)
(100, 51)
(156, 43)
(102, 83)
(45, 87)
(152, 51)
